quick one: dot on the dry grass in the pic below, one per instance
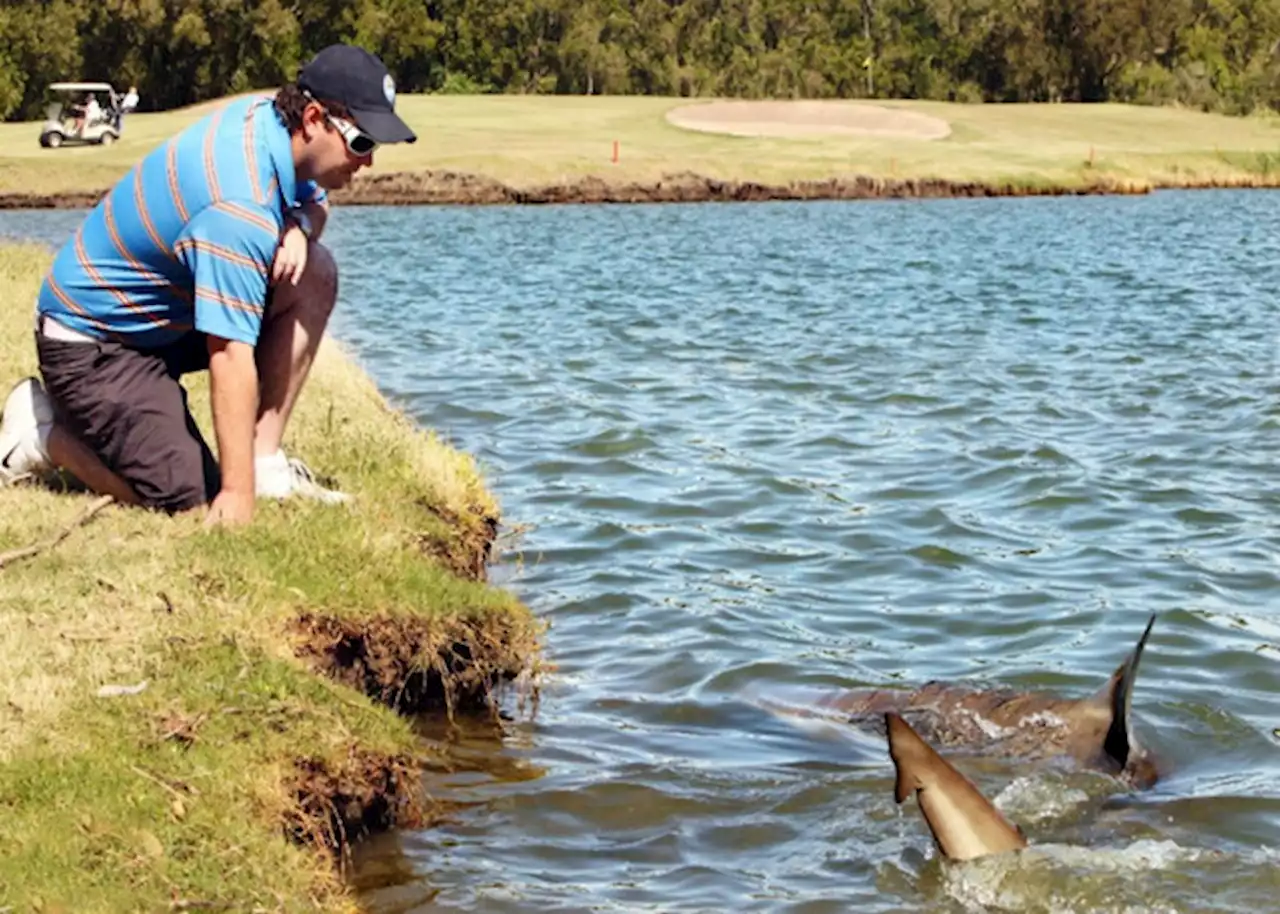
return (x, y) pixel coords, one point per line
(526, 141)
(208, 620)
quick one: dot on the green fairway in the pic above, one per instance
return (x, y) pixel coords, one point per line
(525, 141)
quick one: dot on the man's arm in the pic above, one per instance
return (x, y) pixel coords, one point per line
(233, 382)
(316, 213)
(228, 248)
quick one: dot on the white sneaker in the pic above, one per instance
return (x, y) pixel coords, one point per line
(278, 476)
(28, 417)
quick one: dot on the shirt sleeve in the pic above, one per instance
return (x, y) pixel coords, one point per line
(229, 247)
(311, 192)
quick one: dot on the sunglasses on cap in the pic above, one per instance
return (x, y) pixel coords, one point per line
(360, 144)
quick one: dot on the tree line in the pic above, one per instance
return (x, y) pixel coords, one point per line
(1218, 55)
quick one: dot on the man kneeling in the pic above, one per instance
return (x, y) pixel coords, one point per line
(206, 256)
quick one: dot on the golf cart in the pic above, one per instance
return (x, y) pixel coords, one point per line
(71, 118)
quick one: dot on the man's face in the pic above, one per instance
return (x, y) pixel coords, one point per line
(333, 162)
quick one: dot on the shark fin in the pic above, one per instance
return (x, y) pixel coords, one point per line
(963, 822)
(1115, 699)
(907, 750)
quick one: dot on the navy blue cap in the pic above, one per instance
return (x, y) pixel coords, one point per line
(359, 80)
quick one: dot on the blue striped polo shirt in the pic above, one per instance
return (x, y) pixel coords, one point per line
(186, 239)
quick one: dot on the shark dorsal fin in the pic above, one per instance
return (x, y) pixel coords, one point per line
(1115, 699)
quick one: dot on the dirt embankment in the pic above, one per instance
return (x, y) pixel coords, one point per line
(685, 187)
(454, 188)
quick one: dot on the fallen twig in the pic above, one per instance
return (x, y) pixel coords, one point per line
(183, 904)
(26, 552)
(113, 690)
(156, 779)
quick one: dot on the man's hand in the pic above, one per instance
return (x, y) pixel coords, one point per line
(291, 256)
(229, 509)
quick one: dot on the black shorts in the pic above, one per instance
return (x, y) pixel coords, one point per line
(128, 407)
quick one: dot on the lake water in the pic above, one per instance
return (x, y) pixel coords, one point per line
(763, 453)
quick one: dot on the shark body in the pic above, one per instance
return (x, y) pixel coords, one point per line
(1095, 732)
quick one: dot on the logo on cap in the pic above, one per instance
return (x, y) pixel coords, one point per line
(389, 89)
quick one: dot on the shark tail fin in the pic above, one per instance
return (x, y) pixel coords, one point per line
(907, 750)
(1116, 697)
(963, 822)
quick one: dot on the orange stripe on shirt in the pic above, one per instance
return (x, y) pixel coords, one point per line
(255, 218)
(96, 323)
(237, 304)
(171, 171)
(140, 202)
(210, 163)
(251, 157)
(221, 251)
(108, 217)
(82, 257)
(71, 305)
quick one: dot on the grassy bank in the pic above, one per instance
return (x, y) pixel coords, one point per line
(198, 720)
(528, 142)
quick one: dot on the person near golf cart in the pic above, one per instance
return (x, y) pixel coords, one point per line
(90, 112)
(204, 257)
(127, 105)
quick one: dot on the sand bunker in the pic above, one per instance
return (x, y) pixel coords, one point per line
(807, 118)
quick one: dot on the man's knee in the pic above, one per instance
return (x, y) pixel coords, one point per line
(322, 270)
(162, 455)
(173, 496)
(315, 293)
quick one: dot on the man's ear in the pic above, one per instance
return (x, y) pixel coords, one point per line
(313, 119)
